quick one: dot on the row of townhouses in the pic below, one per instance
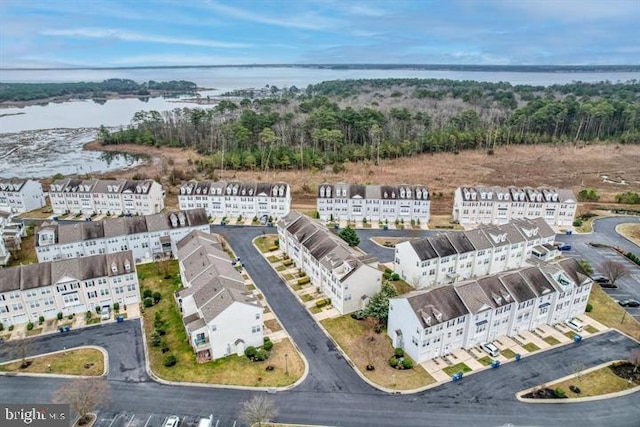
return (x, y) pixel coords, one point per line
(498, 205)
(489, 249)
(434, 322)
(373, 202)
(114, 197)
(19, 195)
(342, 273)
(147, 237)
(220, 316)
(233, 199)
(11, 234)
(71, 286)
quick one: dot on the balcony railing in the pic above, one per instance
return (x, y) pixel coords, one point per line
(201, 343)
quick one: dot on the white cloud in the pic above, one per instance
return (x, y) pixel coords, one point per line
(119, 34)
(363, 10)
(306, 21)
(576, 10)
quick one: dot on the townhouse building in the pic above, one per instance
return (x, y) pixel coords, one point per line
(499, 205)
(374, 202)
(19, 195)
(148, 237)
(233, 199)
(454, 256)
(11, 233)
(112, 197)
(220, 316)
(70, 286)
(434, 322)
(345, 275)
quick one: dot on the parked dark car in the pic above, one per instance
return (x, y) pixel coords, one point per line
(629, 303)
(600, 279)
(608, 285)
(564, 247)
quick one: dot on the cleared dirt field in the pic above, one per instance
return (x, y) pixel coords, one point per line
(609, 168)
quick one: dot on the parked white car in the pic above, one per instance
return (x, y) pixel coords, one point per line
(172, 421)
(574, 324)
(490, 349)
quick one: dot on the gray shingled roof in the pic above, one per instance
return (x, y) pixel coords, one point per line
(441, 300)
(517, 286)
(401, 191)
(473, 296)
(563, 195)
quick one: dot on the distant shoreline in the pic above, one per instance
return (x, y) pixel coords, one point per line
(428, 67)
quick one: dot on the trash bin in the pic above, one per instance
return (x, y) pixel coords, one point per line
(385, 227)
(569, 232)
(61, 329)
(336, 226)
(577, 338)
(518, 357)
(495, 364)
(66, 328)
(120, 319)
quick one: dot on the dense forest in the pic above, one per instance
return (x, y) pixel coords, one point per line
(352, 120)
(34, 91)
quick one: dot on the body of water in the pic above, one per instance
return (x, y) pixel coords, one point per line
(37, 153)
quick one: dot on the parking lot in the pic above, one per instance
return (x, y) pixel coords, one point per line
(125, 419)
(628, 286)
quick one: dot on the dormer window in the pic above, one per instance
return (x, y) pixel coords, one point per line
(427, 319)
(114, 267)
(219, 190)
(138, 189)
(281, 191)
(182, 190)
(174, 220)
(228, 190)
(244, 191)
(438, 315)
(386, 195)
(321, 191)
(490, 196)
(182, 219)
(409, 193)
(328, 191)
(402, 193)
(198, 190)
(483, 195)
(251, 191)
(393, 194)
(127, 265)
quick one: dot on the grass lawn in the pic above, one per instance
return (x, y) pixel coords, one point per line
(591, 329)
(281, 268)
(630, 231)
(27, 252)
(288, 276)
(443, 222)
(551, 340)
(458, 367)
(609, 313)
(40, 213)
(250, 287)
(389, 242)
(273, 325)
(352, 335)
(296, 287)
(232, 370)
(315, 310)
(486, 361)
(508, 353)
(273, 258)
(306, 297)
(71, 362)
(570, 334)
(402, 287)
(263, 243)
(531, 347)
(596, 383)
(94, 320)
(34, 332)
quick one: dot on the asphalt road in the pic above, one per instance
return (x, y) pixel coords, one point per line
(333, 394)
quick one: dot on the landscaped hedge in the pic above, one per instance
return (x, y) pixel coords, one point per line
(287, 262)
(321, 303)
(633, 257)
(304, 281)
(273, 248)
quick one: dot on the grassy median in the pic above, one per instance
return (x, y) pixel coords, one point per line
(81, 361)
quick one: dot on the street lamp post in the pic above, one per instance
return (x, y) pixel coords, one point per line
(286, 365)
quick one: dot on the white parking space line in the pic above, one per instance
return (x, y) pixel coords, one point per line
(131, 420)
(148, 419)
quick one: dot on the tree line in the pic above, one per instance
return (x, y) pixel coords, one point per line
(34, 91)
(353, 120)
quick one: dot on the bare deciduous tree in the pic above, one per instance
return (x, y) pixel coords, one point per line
(83, 395)
(257, 410)
(634, 359)
(614, 270)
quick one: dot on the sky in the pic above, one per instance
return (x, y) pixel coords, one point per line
(123, 33)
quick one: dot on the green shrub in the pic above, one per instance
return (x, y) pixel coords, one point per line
(29, 326)
(304, 281)
(60, 315)
(157, 296)
(589, 308)
(287, 262)
(386, 276)
(407, 364)
(116, 307)
(268, 345)
(395, 276)
(98, 310)
(1, 326)
(577, 222)
(250, 352)
(321, 303)
(41, 320)
(388, 270)
(88, 315)
(70, 316)
(559, 393)
(261, 355)
(148, 302)
(147, 293)
(628, 198)
(398, 352)
(272, 248)
(393, 362)
(10, 328)
(170, 360)
(156, 339)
